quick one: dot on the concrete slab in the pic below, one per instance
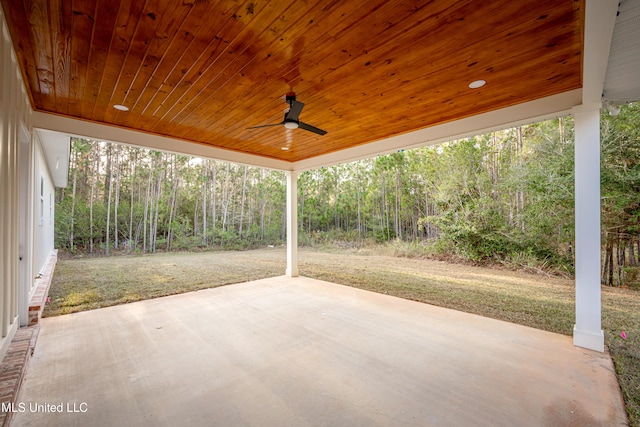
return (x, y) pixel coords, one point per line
(302, 352)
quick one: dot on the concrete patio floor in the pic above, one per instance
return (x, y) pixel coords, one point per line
(302, 352)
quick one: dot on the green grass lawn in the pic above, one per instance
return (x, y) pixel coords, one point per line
(539, 301)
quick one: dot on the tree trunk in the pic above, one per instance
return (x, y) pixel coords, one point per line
(225, 198)
(73, 202)
(398, 204)
(358, 205)
(242, 199)
(605, 264)
(610, 256)
(205, 189)
(385, 210)
(131, 184)
(157, 208)
(172, 204)
(214, 198)
(117, 200)
(519, 193)
(622, 249)
(336, 198)
(262, 203)
(96, 165)
(146, 209)
(632, 254)
(109, 178)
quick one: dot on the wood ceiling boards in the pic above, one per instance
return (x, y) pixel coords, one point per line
(205, 70)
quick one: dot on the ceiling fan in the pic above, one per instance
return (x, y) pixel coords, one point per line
(291, 120)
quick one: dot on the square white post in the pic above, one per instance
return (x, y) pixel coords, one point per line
(292, 224)
(587, 331)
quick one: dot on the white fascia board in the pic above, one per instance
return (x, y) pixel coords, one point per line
(102, 132)
(521, 114)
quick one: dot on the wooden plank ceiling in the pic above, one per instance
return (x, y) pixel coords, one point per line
(206, 70)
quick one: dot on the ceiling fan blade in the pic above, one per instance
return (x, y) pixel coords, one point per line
(294, 111)
(266, 126)
(310, 128)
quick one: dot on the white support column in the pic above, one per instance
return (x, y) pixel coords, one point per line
(587, 331)
(292, 224)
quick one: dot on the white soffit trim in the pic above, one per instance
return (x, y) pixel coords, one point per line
(622, 83)
(600, 19)
(101, 132)
(521, 114)
(57, 152)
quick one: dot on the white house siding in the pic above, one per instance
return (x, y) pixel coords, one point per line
(43, 201)
(23, 249)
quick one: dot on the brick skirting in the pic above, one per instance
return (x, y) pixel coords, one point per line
(43, 282)
(13, 369)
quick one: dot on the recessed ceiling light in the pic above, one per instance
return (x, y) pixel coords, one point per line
(121, 107)
(284, 148)
(476, 84)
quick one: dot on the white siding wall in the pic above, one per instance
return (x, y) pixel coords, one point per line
(43, 202)
(15, 124)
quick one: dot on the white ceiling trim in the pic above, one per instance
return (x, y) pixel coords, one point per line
(100, 132)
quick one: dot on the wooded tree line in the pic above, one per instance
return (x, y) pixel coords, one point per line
(123, 197)
(620, 191)
(503, 196)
